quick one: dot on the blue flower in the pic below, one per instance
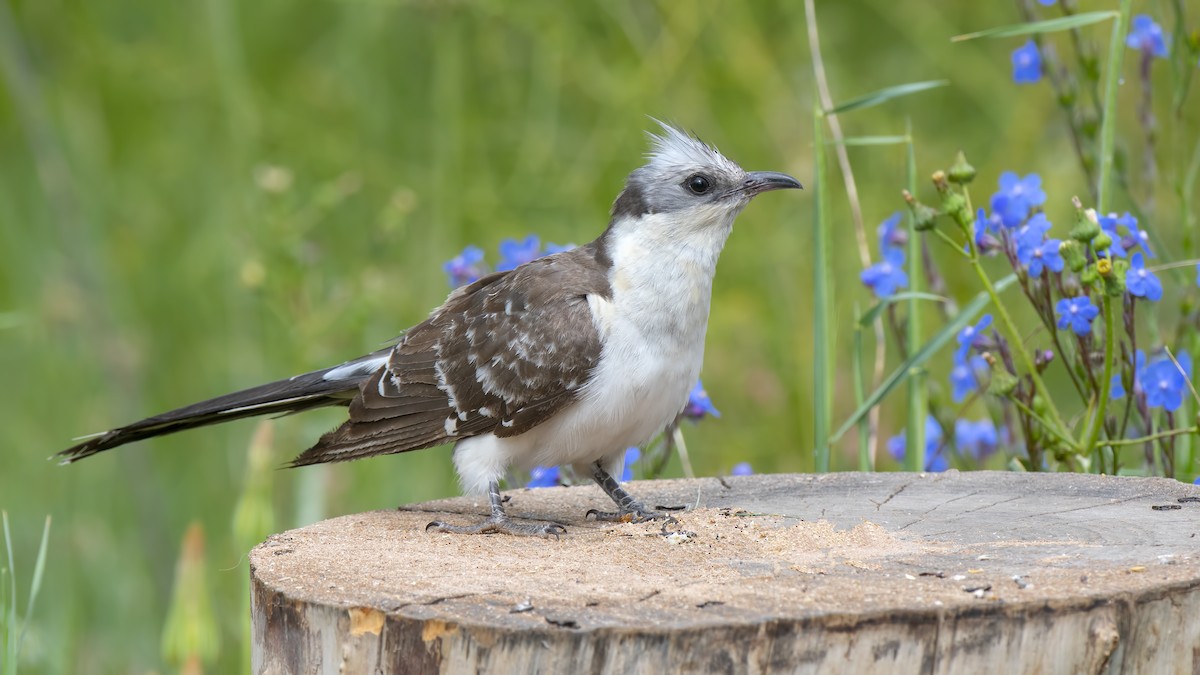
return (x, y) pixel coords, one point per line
(555, 248)
(1034, 250)
(464, 268)
(965, 376)
(1048, 3)
(699, 404)
(934, 461)
(1027, 64)
(543, 476)
(514, 253)
(985, 225)
(1147, 36)
(966, 337)
(885, 277)
(977, 438)
(1017, 197)
(1108, 224)
(1141, 238)
(1164, 384)
(890, 233)
(1141, 281)
(1077, 313)
(742, 469)
(632, 455)
(1198, 274)
(1116, 390)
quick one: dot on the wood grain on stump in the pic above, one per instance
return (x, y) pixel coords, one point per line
(839, 573)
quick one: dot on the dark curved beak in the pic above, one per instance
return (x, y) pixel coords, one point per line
(764, 181)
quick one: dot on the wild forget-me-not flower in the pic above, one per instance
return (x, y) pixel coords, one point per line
(1147, 36)
(515, 253)
(1165, 383)
(1077, 313)
(976, 438)
(934, 460)
(966, 375)
(1027, 63)
(699, 404)
(1141, 282)
(884, 278)
(1034, 250)
(465, 267)
(1017, 197)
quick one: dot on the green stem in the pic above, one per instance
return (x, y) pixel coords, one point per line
(953, 244)
(918, 402)
(1108, 124)
(1155, 437)
(822, 320)
(1058, 428)
(864, 424)
(1110, 336)
(1041, 420)
(1014, 337)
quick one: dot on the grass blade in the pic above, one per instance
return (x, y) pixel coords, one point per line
(39, 566)
(918, 397)
(1047, 26)
(1108, 124)
(822, 321)
(10, 608)
(873, 140)
(900, 375)
(873, 313)
(864, 424)
(884, 95)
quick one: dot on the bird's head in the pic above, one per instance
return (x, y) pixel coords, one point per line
(688, 183)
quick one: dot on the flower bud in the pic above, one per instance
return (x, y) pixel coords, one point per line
(1003, 383)
(1101, 242)
(1043, 359)
(939, 182)
(1113, 276)
(1072, 254)
(924, 217)
(961, 172)
(955, 206)
(1087, 226)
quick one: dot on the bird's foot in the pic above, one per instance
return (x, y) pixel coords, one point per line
(635, 512)
(501, 524)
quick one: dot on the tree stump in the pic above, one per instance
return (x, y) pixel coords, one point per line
(982, 572)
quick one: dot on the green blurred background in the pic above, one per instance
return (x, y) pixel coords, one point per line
(200, 196)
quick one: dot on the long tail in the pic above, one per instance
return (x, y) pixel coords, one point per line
(330, 386)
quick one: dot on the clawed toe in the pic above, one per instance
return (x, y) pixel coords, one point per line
(501, 525)
(633, 515)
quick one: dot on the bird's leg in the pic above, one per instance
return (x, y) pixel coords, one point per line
(499, 522)
(629, 510)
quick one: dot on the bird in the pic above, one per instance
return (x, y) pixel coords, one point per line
(568, 359)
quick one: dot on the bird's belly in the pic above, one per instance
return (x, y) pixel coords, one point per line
(632, 397)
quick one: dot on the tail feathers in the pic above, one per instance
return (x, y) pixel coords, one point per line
(330, 386)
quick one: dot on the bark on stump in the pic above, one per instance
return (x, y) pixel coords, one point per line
(840, 573)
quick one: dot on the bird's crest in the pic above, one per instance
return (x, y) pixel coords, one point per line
(675, 149)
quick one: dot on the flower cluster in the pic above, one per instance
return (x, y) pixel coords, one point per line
(887, 276)
(1071, 281)
(469, 266)
(1145, 35)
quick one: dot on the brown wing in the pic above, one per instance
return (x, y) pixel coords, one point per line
(501, 355)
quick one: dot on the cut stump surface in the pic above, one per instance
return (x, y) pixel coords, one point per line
(838, 573)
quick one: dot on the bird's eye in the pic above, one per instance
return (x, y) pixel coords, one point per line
(698, 184)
